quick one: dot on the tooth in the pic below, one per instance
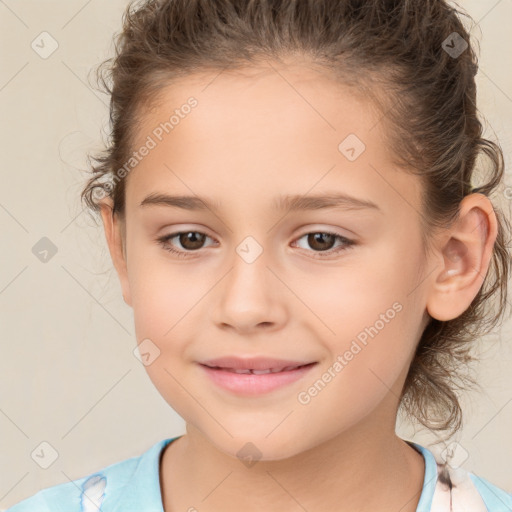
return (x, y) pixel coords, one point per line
(260, 372)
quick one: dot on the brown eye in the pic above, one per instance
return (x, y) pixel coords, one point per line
(321, 241)
(191, 240)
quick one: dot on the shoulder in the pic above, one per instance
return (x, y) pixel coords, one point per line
(82, 495)
(106, 488)
(496, 499)
(456, 488)
(470, 492)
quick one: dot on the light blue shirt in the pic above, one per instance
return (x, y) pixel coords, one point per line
(133, 485)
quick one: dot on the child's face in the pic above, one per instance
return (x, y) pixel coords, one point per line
(251, 140)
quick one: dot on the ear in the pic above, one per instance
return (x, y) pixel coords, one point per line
(113, 232)
(464, 255)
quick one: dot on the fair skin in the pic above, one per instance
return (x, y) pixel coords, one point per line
(253, 138)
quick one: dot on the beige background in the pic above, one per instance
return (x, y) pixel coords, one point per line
(69, 376)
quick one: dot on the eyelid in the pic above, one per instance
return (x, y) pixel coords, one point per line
(324, 228)
(174, 234)
(310, 229)
(346, 243)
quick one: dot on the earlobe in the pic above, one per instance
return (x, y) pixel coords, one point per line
(465, 256)
(113, 235)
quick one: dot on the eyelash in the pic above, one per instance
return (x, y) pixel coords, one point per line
(163, 241)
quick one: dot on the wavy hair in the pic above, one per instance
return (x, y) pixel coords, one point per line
(413, 58)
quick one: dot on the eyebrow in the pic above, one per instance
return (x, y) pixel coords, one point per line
(288, 202)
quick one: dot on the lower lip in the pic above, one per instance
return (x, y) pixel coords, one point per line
(252, 384)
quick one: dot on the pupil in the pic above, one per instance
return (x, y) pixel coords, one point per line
(319, 237)
(191, 236)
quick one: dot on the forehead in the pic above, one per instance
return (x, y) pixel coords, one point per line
(259, 131)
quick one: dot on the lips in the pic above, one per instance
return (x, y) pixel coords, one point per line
(254, 376)
(258, 372)
(254, 365)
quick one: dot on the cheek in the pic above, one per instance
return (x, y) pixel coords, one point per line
(168, 301)
(344, 300)
(164, 293)
(369, 319)
(363, 371)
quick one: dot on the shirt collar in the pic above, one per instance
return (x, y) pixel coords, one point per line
(142, 491)
(430, 480)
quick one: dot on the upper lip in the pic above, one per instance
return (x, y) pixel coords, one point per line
(253, 363)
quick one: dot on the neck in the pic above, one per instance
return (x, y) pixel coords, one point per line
(365, 468)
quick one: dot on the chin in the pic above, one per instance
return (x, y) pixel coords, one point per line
(258, 447)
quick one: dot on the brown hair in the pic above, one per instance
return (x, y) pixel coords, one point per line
(409, 56)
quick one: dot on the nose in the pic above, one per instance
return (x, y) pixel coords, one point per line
(251, 297)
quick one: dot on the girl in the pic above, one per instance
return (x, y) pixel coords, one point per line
(289, 201)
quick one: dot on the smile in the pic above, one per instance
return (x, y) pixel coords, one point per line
(258, 372)
(250, 381)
